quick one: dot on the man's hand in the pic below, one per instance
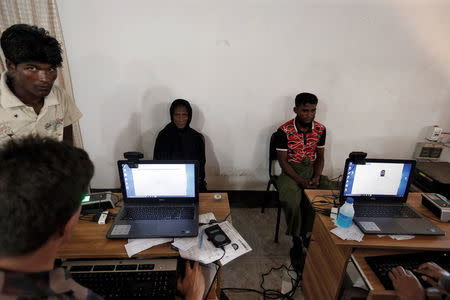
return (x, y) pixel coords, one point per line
(406, 284)
(314, 182)
(193, 284)
(432, 273)
(303, 183)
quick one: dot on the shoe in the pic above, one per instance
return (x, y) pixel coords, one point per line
(297, 259)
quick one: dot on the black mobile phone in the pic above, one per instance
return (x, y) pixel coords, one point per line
(217, 236)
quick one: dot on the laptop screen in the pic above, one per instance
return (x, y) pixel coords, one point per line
(377, 178)
(159, 180)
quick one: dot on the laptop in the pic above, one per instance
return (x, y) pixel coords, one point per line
(380, 190)
(160, 199)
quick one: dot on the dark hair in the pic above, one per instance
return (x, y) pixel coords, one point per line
(42, 183)
(181, 102)
(304, 98)
(23, 43)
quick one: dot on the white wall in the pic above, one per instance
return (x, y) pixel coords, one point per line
(381, 70)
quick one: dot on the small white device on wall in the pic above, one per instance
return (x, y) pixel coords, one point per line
(433, 133)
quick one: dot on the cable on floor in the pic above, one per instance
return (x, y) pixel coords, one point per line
(270, 293)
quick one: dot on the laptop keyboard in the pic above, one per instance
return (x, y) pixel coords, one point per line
(385, 211)
(158, 213)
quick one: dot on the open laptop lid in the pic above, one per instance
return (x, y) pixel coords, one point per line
(379, 180)
(159, 181)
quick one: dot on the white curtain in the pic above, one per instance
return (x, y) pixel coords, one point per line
(42, 13)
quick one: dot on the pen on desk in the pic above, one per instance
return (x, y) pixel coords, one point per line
(201, 239)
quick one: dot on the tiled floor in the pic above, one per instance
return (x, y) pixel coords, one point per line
(245, 272)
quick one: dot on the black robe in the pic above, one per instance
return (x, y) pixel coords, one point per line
(173, 143)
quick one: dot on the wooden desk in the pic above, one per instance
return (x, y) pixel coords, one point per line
(89, 239)
(328, 255)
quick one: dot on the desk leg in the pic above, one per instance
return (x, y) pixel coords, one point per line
(325, 265)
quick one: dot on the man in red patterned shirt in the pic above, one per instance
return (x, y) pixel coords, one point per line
(300, 145)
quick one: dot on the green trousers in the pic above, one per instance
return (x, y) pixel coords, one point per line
(298, 211)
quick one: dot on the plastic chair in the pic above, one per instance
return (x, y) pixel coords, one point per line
(273, 182)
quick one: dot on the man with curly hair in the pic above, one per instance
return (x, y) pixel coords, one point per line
(30, 103)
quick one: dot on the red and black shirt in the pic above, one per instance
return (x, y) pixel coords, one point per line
(298, 144)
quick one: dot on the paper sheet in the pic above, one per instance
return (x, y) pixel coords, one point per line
(138, 245)
(353, 233)
(399, 237)
(238, 245)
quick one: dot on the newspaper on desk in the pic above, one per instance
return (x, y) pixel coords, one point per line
(189, 248)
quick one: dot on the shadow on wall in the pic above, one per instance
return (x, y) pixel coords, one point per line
(155, 105)
(321, 117)
(132, 144)
(198, 122)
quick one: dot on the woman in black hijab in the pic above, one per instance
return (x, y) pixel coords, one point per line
(178, 141)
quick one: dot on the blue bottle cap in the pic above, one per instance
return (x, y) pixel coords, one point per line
(350, 200)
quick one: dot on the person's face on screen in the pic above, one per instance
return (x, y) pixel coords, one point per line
(180, 116)
(306, 112)
(33, 78)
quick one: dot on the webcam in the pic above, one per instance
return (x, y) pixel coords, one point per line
(133, 158)
(358, 157)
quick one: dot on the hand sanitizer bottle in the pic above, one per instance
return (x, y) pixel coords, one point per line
(346, 213)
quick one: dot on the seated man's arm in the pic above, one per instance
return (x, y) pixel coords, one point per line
(318, 167)
(202, 158)
(320, 160)
(160, 151)
(287, 168)
(68, 135)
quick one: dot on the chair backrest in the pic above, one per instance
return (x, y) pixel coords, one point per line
(272, 154)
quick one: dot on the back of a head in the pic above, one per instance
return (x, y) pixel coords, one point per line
(42, 182)
(181, 102)
(24, 43)
(305, 98)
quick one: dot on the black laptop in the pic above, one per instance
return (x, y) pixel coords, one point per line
(380, 190)
(160, 199)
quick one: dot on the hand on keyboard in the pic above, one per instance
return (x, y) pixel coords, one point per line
(406, 284)
(432, 273)
(192, 286)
